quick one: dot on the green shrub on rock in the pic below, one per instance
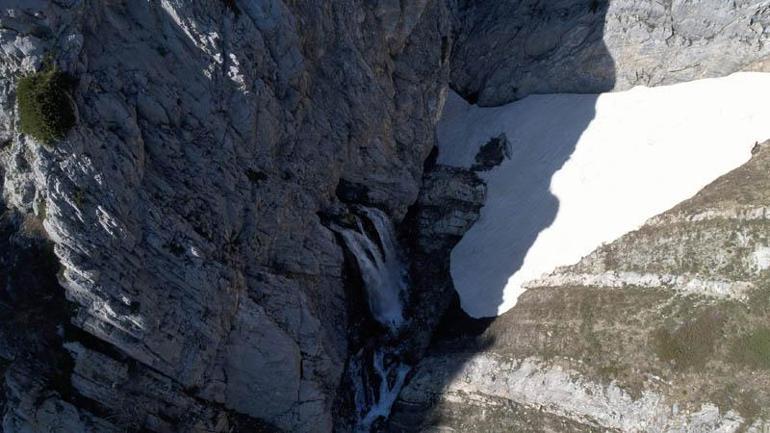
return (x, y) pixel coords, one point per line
(45, 108)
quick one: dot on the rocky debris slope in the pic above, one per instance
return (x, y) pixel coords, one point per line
(184, 205)
(666, 329)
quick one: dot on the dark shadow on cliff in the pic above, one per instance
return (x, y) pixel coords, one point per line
(34, 316)
(504, 51)
(541, 134)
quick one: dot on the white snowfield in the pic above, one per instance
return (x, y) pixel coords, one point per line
(586, 169)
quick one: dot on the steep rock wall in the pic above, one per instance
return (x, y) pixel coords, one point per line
(184, 204)
(506, 50)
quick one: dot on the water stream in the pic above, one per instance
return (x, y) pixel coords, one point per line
(377, 379)
(378, 374)
(381, 267)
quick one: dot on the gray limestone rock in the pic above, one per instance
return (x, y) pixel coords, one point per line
(184, 206)
(508, 49)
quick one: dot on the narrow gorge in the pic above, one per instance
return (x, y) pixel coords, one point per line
(384, 216)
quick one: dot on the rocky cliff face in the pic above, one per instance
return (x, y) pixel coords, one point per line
(506, 50)
(184, 205)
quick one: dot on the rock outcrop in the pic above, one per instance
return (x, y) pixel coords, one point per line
(448, 205)
(184, 205)
(506, 50)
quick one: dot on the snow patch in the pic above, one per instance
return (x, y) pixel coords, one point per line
(585, 169)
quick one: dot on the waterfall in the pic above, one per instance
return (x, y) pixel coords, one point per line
(374, 395)
(377, 374)
(381, 266)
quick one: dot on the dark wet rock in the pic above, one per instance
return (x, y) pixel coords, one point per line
(448, 205)
(492, 153)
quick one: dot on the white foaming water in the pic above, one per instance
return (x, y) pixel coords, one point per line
(378, 376)
(374, 396)
(381, 266)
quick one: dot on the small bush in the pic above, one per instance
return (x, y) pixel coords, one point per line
(753, 348)
(45, 109)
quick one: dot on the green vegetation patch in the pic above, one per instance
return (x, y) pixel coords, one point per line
(45, 108)
(753, 349)
(692, 343)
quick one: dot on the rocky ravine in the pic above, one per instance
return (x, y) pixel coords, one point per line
(185, 207)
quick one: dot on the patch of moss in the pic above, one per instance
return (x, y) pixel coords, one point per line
(759, 298)
(692, 343)
(175, 248)
(593, 343)
(45, 108)
(753, 349)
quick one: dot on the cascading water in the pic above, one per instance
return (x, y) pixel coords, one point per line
(382, 268)
(378, 374)
(376, 387)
